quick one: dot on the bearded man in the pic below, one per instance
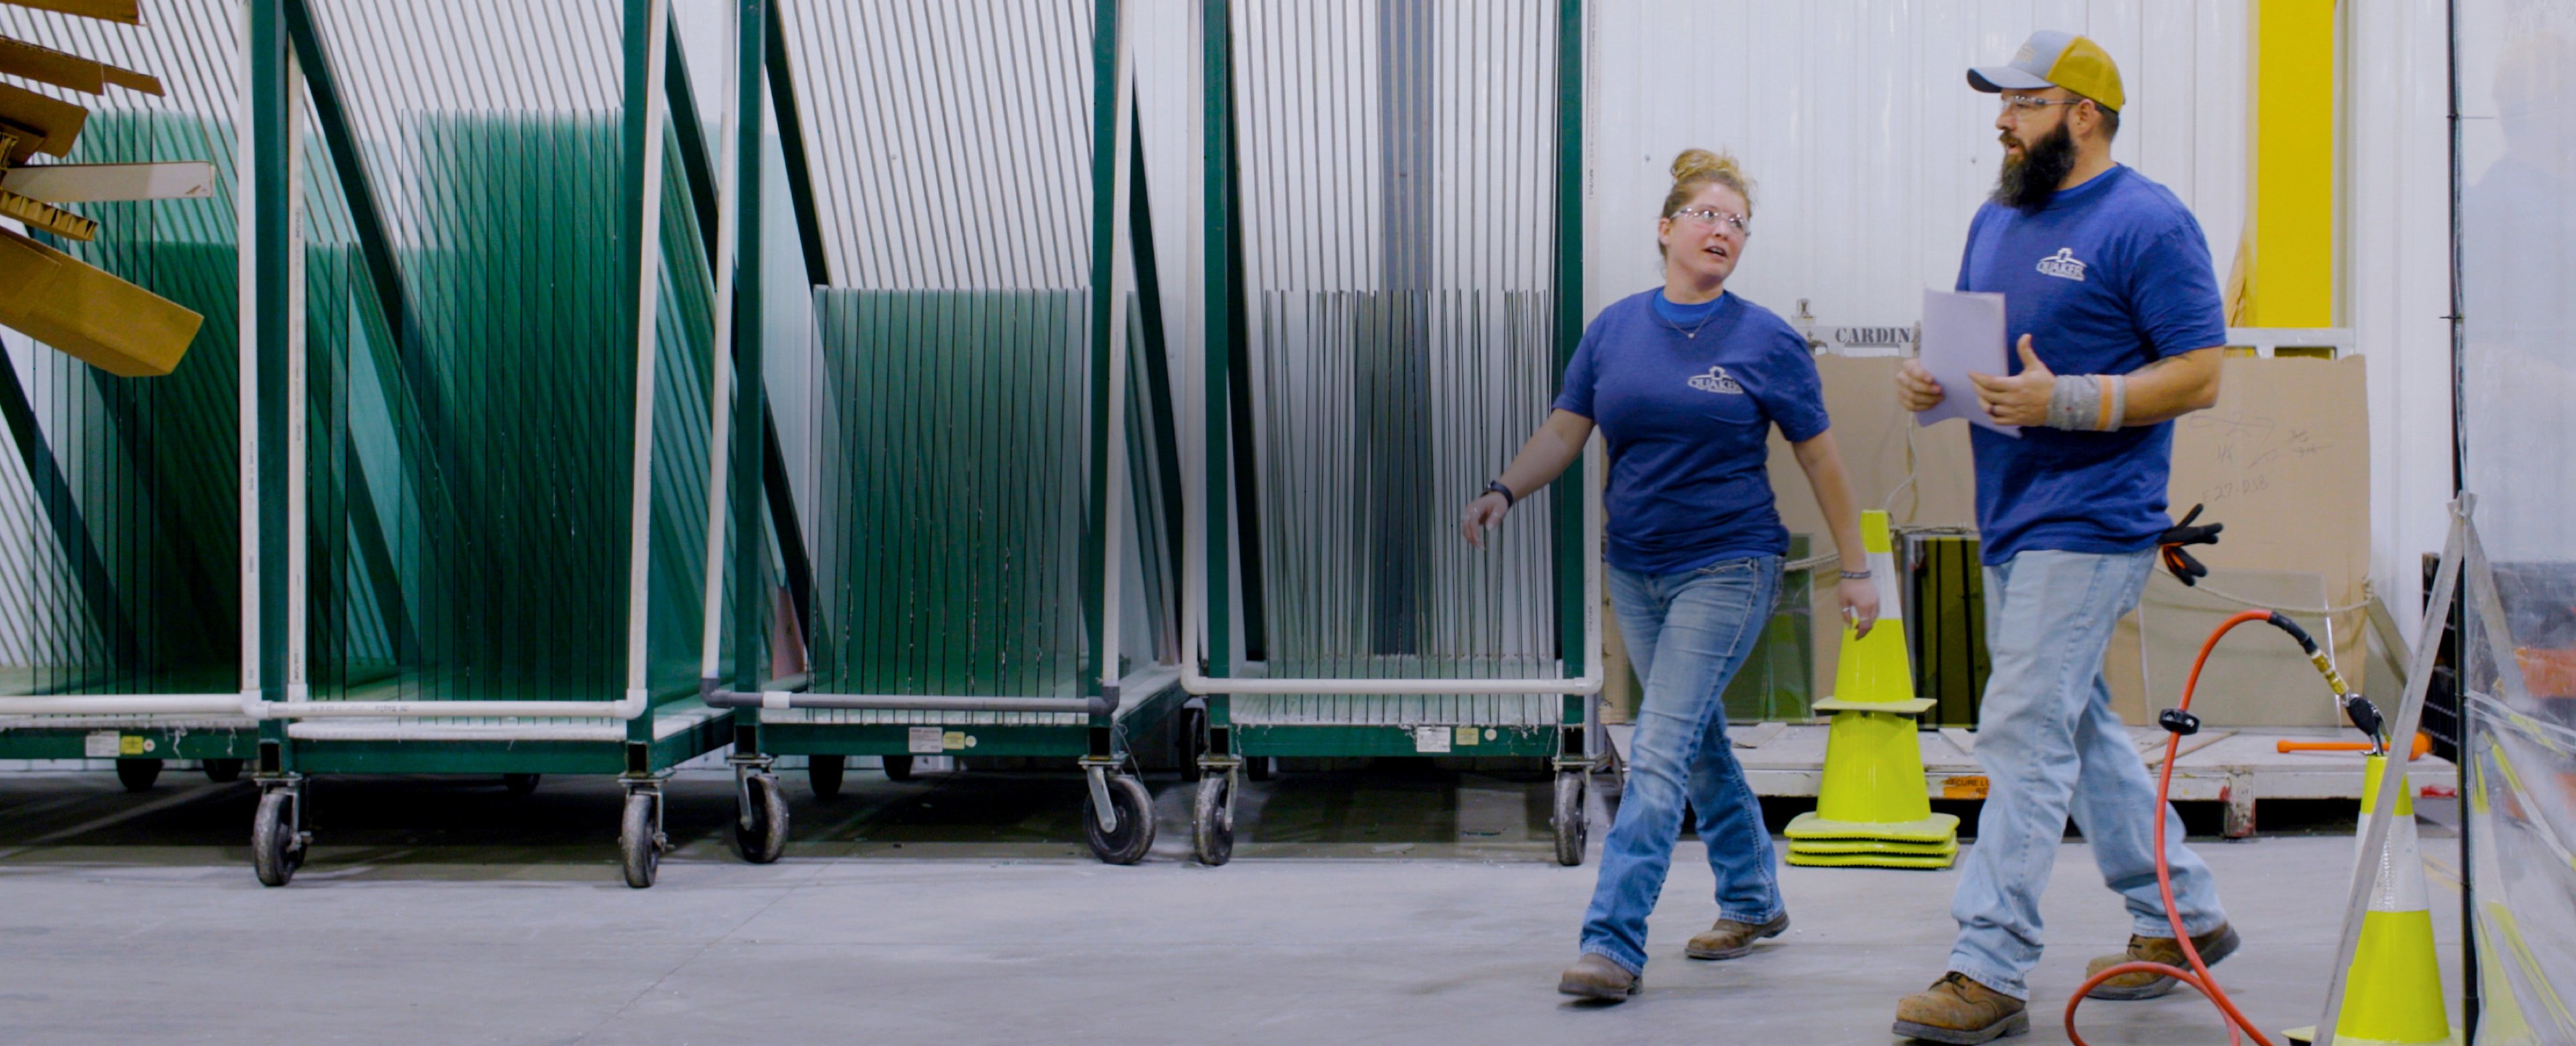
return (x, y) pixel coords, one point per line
(2115, 314)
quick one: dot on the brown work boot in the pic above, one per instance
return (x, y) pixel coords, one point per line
(1960, 1011)
(2215, 945)
(1595, 977)
(1727, 938)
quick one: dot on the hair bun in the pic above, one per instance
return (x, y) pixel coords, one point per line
(1695, 164)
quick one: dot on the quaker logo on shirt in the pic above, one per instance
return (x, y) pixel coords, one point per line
(1717, 381)
(2063, 265)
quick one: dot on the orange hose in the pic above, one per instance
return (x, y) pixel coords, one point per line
(2198, 977)
(2423, 744)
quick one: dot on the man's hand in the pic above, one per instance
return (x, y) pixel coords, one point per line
(2186, 567)
(2021, 399)
(1915, 389)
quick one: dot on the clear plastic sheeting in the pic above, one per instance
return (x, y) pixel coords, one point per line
(120, 506)
(471, 463)
(2517, 91)
(1398, 178)
(952, 153)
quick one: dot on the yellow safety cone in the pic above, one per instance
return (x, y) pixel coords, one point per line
(1872, 809)
(2392, 994)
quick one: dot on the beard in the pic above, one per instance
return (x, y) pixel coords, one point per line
(2028, 183)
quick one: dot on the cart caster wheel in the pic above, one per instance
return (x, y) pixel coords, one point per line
(1212, 819)
(520, 784)
(760, 831)
(137, 775)
(276, 847)
(1261, 768)
(1134, 807)
(824, 772)
(1572, 824)
(898, 768)
(223, 771)
(639, 838)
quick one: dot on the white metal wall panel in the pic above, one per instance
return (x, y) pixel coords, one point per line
(1868, 150)
(2397, 272)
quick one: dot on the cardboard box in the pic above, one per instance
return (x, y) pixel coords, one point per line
(2283, 460)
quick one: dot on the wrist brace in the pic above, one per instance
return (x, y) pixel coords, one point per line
(2089, 402)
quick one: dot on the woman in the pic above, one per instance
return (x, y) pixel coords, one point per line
(1686, 381)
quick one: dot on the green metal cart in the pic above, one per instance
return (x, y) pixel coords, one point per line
(991, 427)
(479, 428)
(120, 514)
(1393, 285)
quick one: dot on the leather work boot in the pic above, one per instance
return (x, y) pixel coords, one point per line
(1961, 1012)
(1596, 977)
(2215, 945)
(1728, 939)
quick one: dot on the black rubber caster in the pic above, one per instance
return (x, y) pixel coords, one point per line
(824, 773)
(1573, 825)
(520, 784)
(224, 771)
(1212, 819)
(1133, 808)
(760, 827)
(1261, 768)
(639, 838)
(276, 846)
(898, 768)
(137, 774)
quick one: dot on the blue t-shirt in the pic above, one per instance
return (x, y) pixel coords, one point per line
(1687, 421)
(2112, 275)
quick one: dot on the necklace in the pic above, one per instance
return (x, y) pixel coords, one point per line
(1687, 335)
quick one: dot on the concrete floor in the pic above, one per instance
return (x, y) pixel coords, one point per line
(1362, 907)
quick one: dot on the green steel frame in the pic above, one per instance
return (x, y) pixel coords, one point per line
(1100, 740)
(1231, 540)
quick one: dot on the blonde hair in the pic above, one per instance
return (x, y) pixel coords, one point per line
(1697, 169)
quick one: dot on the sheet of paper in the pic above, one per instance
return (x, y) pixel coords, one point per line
(1963, 333)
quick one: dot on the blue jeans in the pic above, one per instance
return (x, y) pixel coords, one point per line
(1687, 633)
(2051, 747)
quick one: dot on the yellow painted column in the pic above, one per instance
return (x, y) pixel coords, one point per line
(2285, 268)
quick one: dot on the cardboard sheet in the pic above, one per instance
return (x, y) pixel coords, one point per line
(80, 309)
(127, 11)
(50, 125)
(2283, 460)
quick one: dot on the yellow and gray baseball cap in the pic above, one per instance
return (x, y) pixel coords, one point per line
(2052, 58)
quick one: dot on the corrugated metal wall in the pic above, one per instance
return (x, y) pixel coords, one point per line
(1868, 149)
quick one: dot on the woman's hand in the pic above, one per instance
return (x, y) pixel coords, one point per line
(1859, 599)
(1483, 514)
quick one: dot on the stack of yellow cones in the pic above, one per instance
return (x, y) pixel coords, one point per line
(1872, 809)
(2392, 994)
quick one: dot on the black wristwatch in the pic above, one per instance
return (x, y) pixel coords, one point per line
(1497, 487)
